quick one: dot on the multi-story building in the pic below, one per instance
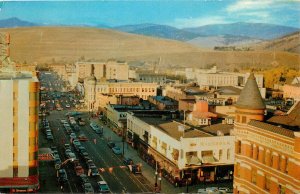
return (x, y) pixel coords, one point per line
(151, 78)
(267, 157)
(95, 90)
(291, 91)
(182, 153)
(111, 69)
(205, 80)
(19, 105)
(163, 102)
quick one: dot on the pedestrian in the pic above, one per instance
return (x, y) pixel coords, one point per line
(62, 188)
(95, 141)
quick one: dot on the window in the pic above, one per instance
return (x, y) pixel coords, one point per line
(253, 176)
(238, 168)
(220, 154)
(243, 119)
(281, 189)
(228, 154)
(267, 186)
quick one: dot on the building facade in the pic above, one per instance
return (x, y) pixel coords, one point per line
(95, 90)
(110, 70)
(267, 157)
(19, 105)
(180, 152)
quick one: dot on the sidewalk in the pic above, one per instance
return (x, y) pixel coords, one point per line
(147, 171)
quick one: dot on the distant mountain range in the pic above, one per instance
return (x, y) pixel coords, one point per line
(254, 30)
(222, 41)
(15, 22)
(207, 36)
(161, 31)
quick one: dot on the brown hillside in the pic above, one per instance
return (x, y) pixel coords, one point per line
(290, 43)
(68, 44)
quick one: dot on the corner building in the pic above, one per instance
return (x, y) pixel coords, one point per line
(19, 105)
(267, 157)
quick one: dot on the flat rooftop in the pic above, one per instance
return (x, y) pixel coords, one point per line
(170, 128)
(9, 75)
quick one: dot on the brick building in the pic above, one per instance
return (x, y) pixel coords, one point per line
(267, 157)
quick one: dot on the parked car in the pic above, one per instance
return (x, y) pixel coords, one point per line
(73, 136)
(99, 131)
(111, 144)
(103, 187)
(71, 155)
(83, 179)
(88, 188)
(62, 176)
(49, 137)
(67, 146)
(116, 150)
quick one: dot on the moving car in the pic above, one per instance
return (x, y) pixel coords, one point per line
(94, 126)
(111, 144)
(128, 161)
(116, 150)
(103, 187)
(94, 171)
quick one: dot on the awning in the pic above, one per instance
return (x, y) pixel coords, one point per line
(208, 159)
(193, 160)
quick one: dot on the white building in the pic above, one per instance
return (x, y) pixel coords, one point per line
(180, 153)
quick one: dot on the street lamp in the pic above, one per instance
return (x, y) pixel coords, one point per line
(159, 183)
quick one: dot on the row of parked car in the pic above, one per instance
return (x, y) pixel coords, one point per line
(46, 129)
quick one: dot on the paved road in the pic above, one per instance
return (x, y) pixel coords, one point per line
(120, 179)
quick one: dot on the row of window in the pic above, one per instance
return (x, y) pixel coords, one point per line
(112, 90)
(265, 156)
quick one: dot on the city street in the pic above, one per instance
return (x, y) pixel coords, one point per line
(120, 179)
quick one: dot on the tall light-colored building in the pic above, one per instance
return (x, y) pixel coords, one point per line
(94, 90)
(267, 157)
(111, 69)
(19, 105)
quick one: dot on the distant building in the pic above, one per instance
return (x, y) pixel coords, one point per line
(160, 79)
(163, 103)
(94, 90)
(207, 80)
(200, 116)
(181, 152)
(111, 69)
(291, 91)
(267, 157)
(19, 105)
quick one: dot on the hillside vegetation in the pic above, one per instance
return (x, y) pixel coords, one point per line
(68, 44)
(290, 43)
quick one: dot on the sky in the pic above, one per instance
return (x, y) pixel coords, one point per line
(177, 13)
